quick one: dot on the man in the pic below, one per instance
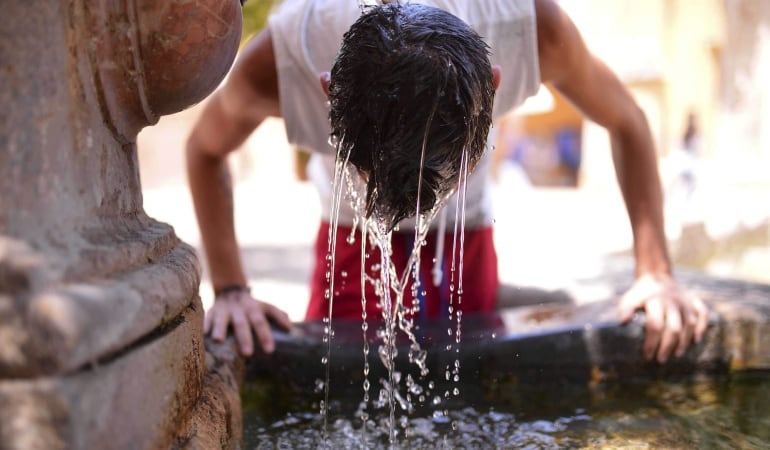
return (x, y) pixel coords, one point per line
(531, 42)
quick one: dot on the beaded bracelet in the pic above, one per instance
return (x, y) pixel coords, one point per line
(229, 289)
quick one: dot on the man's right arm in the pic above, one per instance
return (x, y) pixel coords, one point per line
(249, 95)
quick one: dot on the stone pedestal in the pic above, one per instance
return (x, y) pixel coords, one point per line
(100, 321)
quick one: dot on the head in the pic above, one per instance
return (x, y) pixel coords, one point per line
(409, 75)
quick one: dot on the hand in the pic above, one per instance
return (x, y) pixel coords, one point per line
(674, 316)
(244, 312)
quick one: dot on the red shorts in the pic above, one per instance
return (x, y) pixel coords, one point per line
(480, 279)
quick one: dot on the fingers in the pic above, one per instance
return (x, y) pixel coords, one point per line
(262, 328)
(245, 313)
(628, 304)
(220, 319)
(672, 333)
(690, 316)
(278, 316)
(636, 297)
(688, 328)
(654, 328)
(702, 320)
(675, 319)
(242, 330)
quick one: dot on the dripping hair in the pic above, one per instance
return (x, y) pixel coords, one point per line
(408, 74)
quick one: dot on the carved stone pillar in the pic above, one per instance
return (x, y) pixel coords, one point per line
(100, 320)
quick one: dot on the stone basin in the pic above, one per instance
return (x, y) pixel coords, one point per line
(542, 344)
(542, 376)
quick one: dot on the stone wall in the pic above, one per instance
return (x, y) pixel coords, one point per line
(100, 320)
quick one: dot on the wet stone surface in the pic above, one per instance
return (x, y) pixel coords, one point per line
(547, 344)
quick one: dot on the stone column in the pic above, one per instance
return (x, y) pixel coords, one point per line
(100, 320)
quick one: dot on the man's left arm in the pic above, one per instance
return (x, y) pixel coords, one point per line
(674, 316)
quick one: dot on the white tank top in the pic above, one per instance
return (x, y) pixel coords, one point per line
(306, 36)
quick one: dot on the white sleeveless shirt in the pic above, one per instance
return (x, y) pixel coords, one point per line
(306, 36)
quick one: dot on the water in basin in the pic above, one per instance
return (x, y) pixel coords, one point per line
(723, 412)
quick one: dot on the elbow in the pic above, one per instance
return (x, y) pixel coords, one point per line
(200, 162)
(631, 125)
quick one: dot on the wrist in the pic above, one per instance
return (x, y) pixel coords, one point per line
(230, 289)
(651, 255)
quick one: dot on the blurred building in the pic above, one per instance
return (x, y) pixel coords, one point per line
(706, 58)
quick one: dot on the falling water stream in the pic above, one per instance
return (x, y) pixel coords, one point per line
(390, 287)
(397, 317)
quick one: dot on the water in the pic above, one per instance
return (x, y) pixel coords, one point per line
(729, 412)
(391, 288)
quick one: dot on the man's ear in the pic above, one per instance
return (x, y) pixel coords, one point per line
(496, 76)
(325, 79)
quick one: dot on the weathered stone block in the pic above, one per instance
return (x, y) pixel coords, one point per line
(139, 399)
(216, 421)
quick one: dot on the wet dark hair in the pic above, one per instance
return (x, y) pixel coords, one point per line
(402, 68)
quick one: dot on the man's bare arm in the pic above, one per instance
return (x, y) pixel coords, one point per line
(673, 316)
(249, 95)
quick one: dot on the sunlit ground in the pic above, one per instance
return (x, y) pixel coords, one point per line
(546, 238)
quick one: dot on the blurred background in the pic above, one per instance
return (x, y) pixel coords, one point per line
(698, 68)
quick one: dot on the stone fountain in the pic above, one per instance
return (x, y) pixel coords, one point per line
(100, 319)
